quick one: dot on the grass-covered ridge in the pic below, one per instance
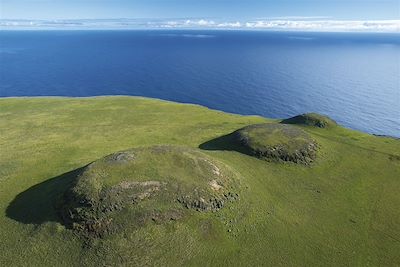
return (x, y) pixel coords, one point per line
(342, 210)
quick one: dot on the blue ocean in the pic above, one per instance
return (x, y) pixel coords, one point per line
(352, 77)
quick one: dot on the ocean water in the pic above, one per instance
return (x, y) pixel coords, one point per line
(352, 77)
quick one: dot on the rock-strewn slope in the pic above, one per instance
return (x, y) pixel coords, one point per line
(278, 142)
(158, 183)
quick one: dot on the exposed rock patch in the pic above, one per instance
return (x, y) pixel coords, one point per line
(214, 185)
(120, 157)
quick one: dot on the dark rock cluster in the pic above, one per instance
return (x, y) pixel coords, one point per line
(211, 204)
(305, 155)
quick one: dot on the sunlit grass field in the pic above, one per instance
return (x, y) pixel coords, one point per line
(341, 210)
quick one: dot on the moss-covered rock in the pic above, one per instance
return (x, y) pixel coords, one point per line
(278, 142)
(311, 119)
(131, 188)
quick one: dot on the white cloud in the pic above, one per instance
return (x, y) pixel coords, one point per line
(297, 18)
(327, 25)
(289, 24)
(236, 24)
(306, 24)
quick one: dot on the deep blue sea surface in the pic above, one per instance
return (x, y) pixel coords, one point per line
(352, 77)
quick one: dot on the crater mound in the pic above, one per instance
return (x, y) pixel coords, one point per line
(156, 184)
(311, 119)
(278, 142)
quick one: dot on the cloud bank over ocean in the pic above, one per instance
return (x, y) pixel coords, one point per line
(282, 23)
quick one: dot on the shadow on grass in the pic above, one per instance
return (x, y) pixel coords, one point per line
(38, 204)
(229, 142)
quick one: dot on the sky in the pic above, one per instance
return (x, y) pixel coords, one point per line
(228, 9)
(214, 13)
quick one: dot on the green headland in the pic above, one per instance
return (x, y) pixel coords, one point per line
(128, 181)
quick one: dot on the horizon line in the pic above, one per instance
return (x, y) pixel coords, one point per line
(290, 23)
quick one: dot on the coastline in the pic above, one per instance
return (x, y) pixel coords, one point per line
(181, 103)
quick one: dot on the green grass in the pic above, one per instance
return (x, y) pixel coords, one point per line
(340, 211)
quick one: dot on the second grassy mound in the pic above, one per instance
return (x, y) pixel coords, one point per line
(278, 142)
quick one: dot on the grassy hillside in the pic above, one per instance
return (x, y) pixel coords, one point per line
(341, 210)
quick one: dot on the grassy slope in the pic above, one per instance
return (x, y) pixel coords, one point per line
(342, 211)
